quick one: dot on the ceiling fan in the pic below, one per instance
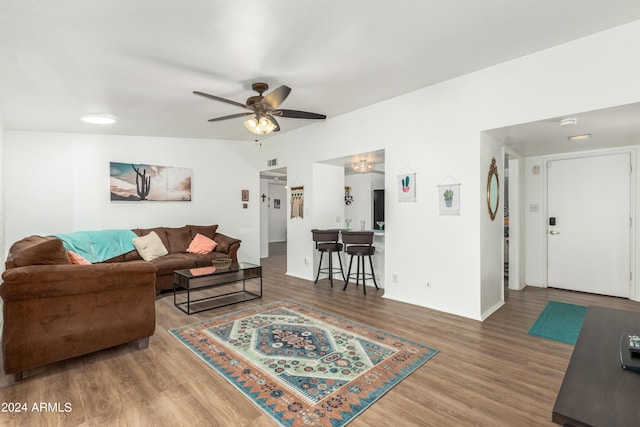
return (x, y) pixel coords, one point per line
(264, 109)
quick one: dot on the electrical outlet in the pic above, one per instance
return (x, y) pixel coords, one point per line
(428, 284)
(394, 278)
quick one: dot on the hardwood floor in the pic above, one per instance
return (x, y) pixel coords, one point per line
(488, 373)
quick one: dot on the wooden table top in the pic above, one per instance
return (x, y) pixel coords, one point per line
(596, 391)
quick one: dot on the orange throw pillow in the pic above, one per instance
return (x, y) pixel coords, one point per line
(74, 258)
(201, 245)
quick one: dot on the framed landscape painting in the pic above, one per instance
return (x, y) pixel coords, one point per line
(141, 182)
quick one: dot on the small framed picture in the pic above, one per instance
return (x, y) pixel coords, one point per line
(276, 203)
(245, 195)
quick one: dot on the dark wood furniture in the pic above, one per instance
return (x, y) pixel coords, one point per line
(327, 242)
(234, 279)
(359, 244)
(596, 391)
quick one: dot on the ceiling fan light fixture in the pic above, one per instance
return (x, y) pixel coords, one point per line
(363, 166)
(260, 126)
(99, 119)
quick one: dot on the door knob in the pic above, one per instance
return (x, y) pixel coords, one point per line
(554, 232)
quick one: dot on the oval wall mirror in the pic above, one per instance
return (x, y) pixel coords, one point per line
(493, 190)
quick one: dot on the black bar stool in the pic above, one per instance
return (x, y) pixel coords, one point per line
(327, 241)
(358, 244)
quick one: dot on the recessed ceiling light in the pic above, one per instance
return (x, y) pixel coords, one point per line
(579, 137)
(99, 119)
(569, 121)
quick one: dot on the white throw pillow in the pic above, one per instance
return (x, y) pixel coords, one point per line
(150, 246)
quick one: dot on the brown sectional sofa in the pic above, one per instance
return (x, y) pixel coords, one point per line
(177, 240)
(54, 310)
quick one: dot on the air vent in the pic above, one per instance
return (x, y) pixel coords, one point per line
(272, 162)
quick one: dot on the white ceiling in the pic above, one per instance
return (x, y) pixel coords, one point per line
(140, 60)
(611, 127)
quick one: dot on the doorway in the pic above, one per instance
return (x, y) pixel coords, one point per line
(273, 212)
(589, 219)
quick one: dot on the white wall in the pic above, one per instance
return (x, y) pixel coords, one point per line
(516, 224)
(436, 132)
(491, 231)
(327, 202)
(326, 211)
(277, 217)
(264, 219)
(362, 206)
(362, 186)
(2, 203)
(57, 183)
(4, 379)
(535, 228)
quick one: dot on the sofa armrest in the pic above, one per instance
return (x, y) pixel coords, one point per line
(227, 245)
(42, 281)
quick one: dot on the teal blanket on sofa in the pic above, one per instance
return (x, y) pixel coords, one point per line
(98, 246)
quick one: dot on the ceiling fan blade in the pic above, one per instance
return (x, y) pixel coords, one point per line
(217, 98)
(275, 122)
(276, 96)
(232, 116)
(295, 114)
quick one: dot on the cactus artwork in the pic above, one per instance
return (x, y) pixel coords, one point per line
(405, 184)
(448, 197)
(407, 187)
(137, 182)
(143, 183)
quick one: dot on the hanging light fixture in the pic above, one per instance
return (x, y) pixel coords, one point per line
(363, 166)
(259, 125)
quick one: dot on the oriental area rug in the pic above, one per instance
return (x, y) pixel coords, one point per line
(559, 321)
(303, 366)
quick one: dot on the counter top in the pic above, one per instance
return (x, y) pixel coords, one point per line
(375, 232)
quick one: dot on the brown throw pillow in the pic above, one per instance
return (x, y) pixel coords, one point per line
(179, 239)
(206, 230)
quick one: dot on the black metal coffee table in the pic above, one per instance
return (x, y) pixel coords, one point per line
(217, 287)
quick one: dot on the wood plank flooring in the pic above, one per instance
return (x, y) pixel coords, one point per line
(488, 373)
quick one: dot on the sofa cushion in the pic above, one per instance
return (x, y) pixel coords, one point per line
(132, 256)
(206, 230)
(37, 250)
(179, 239)
(150, 246)
(172, 262)
(201, 245)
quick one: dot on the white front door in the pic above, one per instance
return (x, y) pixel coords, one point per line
(588, 200)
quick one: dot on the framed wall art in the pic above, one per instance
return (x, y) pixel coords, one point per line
(449, 199)
(143, 182)
(297, 202)
(407, 187)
